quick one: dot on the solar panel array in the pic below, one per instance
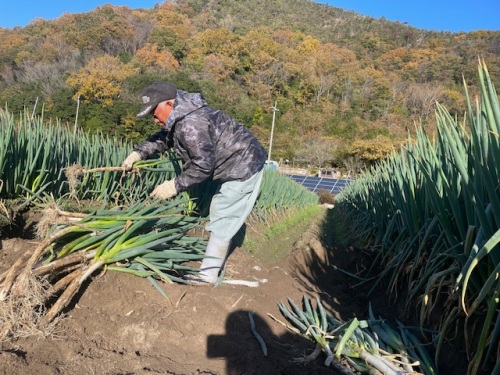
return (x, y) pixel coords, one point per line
(317, 184)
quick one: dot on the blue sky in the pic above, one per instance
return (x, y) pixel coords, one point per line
(440, 15)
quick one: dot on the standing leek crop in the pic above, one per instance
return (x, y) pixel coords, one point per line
(278, 193)
(433, 214)
(35, 154)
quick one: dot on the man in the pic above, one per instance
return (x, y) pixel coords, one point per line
(213, 146)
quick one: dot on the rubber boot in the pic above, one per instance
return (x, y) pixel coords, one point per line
(215, 255)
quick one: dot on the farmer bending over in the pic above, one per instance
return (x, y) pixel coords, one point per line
(213, 146)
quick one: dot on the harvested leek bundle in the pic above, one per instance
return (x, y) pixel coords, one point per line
(147, 240)
(367, 345)
(112, 183)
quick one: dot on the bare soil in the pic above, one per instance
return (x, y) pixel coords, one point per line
(120, 324)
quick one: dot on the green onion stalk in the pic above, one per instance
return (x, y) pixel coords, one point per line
(367, 345)
(431, 214)
(149, 239)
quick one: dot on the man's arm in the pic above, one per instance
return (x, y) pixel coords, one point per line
(157, 143)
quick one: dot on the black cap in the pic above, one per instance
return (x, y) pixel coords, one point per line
(154, 94)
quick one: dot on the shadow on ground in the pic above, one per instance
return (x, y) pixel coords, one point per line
(245, 355)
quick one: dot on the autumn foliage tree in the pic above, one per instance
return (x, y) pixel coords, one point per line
(151, 56)
(371, 151)
(172, 29)
(100, 81)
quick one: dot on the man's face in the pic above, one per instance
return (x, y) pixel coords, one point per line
(162, 111)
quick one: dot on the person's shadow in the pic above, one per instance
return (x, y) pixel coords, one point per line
(245, 355)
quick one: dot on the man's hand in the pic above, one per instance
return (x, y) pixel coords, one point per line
(164, 191)
(130, 160)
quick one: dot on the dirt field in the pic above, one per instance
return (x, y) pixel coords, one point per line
(120, 324)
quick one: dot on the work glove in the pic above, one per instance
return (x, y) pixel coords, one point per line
(164, 191)
(130, 160)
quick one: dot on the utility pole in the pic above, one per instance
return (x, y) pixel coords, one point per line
(76, 117)
(274, 109)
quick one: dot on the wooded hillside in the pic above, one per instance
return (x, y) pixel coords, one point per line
(344, 83)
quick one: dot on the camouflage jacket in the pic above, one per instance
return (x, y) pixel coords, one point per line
(211, 144)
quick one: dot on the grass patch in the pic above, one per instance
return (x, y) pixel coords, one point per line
(271, 242)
